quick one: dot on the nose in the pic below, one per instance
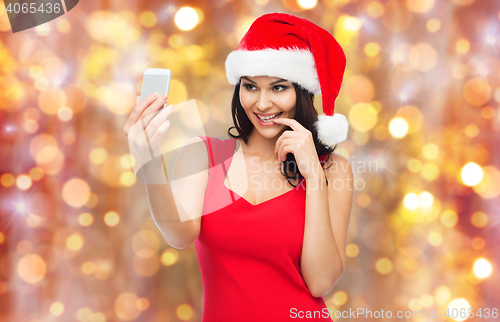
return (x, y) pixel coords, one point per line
(264, 101)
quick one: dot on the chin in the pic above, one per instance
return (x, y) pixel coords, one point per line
(268, 133)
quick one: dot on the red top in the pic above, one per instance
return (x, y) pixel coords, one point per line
(249, 255)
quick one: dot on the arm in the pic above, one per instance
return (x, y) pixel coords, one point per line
(328, 210)
(177, 209)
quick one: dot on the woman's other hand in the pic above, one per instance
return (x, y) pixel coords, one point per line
(300, 143)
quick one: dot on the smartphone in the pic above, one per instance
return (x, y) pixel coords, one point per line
(155, 80)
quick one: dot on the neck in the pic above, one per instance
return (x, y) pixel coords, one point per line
(262, 147)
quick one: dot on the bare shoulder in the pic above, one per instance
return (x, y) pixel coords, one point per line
(193, 155)
(196, 145)
(197, 141)
(337, 165)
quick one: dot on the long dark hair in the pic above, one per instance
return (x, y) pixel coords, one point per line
(305, 114)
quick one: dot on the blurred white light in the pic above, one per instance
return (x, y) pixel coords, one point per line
(307, 4)
(186, 18)
(352, 24)
(403, 96)
(398, 127)
(398, 55)
(170, 8)
(482, 70)
(482, 268)
(459, 305)
(426, 199)
(490, 39)
(20, 207)
(57, 81)
(472, 174)
(411, 201)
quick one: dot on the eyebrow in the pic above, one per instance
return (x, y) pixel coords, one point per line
(251, 81)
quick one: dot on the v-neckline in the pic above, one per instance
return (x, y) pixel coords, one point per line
(240, 197)
(260, 203)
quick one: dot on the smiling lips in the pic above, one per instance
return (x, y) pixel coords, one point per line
(269, 117)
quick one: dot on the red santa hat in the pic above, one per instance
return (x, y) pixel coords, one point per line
(289, 47)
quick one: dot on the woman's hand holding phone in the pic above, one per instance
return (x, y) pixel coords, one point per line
(146, 125)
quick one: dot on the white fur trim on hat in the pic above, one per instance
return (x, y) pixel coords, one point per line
(293, 64)
(332, 129)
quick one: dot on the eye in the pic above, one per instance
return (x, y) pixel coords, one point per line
(280, 88)
(248, 86)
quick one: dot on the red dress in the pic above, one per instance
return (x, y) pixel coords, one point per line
(249, 255)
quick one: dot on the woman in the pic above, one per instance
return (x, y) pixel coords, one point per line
(265, 253)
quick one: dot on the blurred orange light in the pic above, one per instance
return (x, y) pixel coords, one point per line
(85, 219)
(125, 306)
(51, 100)
(478, 243)
(383, 266)
(462, 46)
(142, 304)
(184, 312)
(169, 257)
(364, 200)
(433, 25)
(449, 218)
(75, 242)
(147, 19)
(352, 250)
(63, 26)
(56, 308)
(98, 155)
(65, 113)
(7, 180)
(375, 9)
(111, 218)
(471, 130)
(24, 247)
(488, 112)
(31, 268)
(414, 165)
(34, 220)
(479, 219)
(36, 174)
(340, 298)
(76, 192)
(84, 314)
(88, 268)
(372, 49)
(31, 126)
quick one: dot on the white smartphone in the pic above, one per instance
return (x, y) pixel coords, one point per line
(155, 80)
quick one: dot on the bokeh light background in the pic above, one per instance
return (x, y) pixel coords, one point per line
(421, 92)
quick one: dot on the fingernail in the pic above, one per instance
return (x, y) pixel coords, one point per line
(164, 96)
(154, 95)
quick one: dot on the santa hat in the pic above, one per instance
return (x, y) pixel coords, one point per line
(289, 47)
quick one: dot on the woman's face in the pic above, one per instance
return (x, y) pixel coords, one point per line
(267, 96)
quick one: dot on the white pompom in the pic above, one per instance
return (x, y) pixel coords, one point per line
(332, 129)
